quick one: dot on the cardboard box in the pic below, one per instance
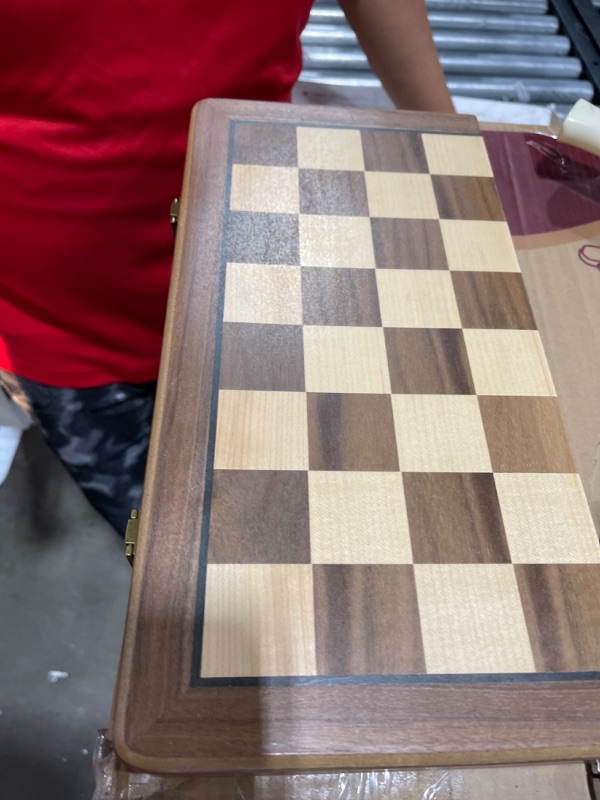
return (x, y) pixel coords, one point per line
(547, 782)
(551, 197)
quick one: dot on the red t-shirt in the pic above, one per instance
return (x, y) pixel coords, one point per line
(95, 100)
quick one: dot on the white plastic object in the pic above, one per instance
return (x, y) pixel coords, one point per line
(9, 442)
(581, 127)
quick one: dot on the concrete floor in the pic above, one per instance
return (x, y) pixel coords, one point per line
(64, 582)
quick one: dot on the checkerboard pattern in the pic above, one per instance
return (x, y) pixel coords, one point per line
(393, 491)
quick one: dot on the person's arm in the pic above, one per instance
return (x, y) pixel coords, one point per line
(396, 38)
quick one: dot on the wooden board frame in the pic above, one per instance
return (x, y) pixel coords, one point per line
(161, 725)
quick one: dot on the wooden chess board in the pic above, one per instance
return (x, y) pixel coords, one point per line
(364, 541)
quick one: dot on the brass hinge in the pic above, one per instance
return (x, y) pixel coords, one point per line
(131, 535)
(174, 215)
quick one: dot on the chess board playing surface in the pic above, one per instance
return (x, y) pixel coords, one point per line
(380, 496)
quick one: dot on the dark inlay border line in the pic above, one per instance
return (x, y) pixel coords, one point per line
(319, 680)
(387, 680)
(378, 128)
(212, 429)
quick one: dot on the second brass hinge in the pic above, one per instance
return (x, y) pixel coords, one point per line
(131, 535)
(174, 215)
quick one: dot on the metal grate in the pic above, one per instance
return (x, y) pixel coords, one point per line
(491, 49)
(580, 20)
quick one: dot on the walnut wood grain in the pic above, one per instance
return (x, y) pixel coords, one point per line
(255, 356)
(265, 144)
(461, 197)
(492, 300)
(438, 362)
(384, 601)
(415, 725)
(385, 152)
(166, 724)
(525, 434)
(564, 593)
(351, 432)
(340, 297)
(333, 192)
(245, 524)
(455, 518)
(408, 244)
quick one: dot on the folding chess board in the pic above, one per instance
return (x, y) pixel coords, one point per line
(364, 541)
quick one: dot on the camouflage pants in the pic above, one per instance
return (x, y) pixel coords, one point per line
(100, 434)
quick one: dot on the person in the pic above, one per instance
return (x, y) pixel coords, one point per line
(95, 101)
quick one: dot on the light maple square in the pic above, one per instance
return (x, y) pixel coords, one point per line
(456, 155)
(358, 518)
(410, 298)
(345, 359)
(471, 619)
(508, 362)
(256, 188)
(267, 293)
(401, 195)
(261, 430)
(547, 519)
(478, 246)
(330, 148)
(327, 241)
(258, 620)
(440, 433)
